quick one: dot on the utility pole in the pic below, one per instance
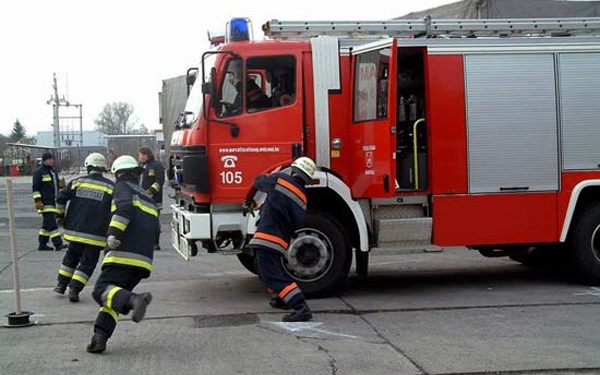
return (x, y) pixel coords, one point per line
(56, 102)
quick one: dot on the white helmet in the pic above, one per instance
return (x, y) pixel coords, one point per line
(305, 167)
(123, 163)
(95, 160)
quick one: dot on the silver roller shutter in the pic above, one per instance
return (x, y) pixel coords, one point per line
(511, 123)
(580, 109)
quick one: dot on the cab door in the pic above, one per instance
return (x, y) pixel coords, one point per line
(268, 122)
(373, 126)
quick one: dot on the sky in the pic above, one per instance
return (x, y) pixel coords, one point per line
(121, 50)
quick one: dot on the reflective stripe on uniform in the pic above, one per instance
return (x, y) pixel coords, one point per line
(60, 208)
(85, 238)
(55, 233)
(145, 207)
(155, 186)
(113, 207)
(289, 292)
(128, 259)
(48, 208)
(119, 222)
(95, 185)
(46, 178)
(110, 312)
(267, 244)
(108, 295)
(291, 191)
(272, 239)
(37, 195)
(44, 233)
(81, 277)
(66, 271)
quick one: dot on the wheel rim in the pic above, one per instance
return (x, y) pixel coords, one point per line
(310, 255)
(595, 243)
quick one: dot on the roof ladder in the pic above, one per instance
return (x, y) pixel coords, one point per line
(426, 27)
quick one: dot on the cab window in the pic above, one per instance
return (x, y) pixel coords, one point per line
(269, 83)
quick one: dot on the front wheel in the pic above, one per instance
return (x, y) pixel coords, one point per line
(319, 256)
(585, 245)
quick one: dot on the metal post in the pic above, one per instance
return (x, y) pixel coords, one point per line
(13, 245)
(55, 106)
(18, 318)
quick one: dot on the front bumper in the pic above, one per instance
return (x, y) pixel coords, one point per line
(188, 227)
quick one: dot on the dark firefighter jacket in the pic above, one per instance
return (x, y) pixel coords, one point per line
(88, 214)
(45, 188)
(134, 222)
(281, 213)
(153, 179)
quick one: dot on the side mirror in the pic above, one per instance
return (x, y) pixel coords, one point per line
(190, 78)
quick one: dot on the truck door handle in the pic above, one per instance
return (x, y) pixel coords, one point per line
(514, 188)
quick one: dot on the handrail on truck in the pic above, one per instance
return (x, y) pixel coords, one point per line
(415, 154)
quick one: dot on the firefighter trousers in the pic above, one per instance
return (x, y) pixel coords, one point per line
(50, 230)
(78, 265)
(279, 283)
(113, 291)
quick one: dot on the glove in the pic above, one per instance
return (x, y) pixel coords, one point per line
(39, 205)
(113, 242)
(61, 183)
(248, 207)
(150, 192)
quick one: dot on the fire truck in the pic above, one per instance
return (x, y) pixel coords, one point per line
(476, 133)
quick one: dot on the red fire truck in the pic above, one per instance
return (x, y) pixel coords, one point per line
(476, 133)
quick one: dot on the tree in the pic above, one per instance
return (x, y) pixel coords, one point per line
(18, 132)
(116, 118)
(141, 130)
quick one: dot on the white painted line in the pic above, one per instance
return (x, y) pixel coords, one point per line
(305, 326)
(593, 291)
(7, 291)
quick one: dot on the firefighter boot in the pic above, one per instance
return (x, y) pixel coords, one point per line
(98, 344)
(138, 303)
(42, 247)
(60, 289)
(301, 313)
(277, 303)
(61, 247)
(73, 295)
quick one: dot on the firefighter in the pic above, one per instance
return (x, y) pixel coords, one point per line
(85, 225)
(152, 181)
(46, 184)
(129, 253)
(282, 212)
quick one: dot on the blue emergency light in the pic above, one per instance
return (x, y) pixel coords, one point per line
(238, 29)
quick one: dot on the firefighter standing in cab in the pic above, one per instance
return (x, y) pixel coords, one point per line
(129, 253)
(153, 179)
(85, 225)
(280, 215)
(46, 185)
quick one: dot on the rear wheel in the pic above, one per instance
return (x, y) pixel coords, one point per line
(585, 243)
(319, 255)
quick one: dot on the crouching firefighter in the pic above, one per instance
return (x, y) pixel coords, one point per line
(283, 211)
(85, 224)
(128, 256)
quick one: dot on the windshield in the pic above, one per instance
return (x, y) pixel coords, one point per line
(194, 101)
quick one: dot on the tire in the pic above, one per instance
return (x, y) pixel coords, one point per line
(319, 256)
(585, 245)
(247, 260)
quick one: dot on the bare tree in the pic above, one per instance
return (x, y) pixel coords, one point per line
(116, 118)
